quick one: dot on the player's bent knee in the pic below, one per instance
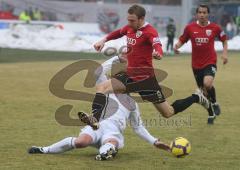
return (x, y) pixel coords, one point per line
(208, 82)
(104, 87)
(100, 88)
(208, 85)
(83, 141)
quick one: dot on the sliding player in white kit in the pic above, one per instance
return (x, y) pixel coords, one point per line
(109, 137)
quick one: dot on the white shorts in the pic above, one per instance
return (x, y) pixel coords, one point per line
(107, 129)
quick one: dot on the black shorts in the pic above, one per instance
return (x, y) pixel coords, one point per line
(149, 89)
(199, 74)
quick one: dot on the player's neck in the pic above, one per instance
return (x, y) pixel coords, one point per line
(141, 25)
(203, 24)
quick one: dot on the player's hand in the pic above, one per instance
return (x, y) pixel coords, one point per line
(99, 45)
(175, 48)
(160, 145)
(156, 55)
(225, 59)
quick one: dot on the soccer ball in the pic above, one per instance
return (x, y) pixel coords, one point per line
(180, 147)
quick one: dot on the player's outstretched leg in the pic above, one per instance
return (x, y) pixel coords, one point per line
(202, 99)
(64, 145)
(98, 105)
(182, 104)
(59, 147)
(35, 150)
(99, 102)
(197, 97)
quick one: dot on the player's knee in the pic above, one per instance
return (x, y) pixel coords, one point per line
(208, 85)
(101, 88)
(208, 82)
(104, 87)
(82, 142)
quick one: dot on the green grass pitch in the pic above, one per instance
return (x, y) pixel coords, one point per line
(27, 117)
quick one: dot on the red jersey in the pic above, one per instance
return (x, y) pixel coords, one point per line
(140, 44)
(202, 39)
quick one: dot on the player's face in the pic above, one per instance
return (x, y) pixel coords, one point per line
(134, 21)
(202, 15)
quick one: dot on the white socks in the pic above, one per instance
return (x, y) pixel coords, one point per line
(68, 144)
(61, 146)
(104, 148)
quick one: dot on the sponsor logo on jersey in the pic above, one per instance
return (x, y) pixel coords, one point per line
(138, 34)
(208, 32)
(201, 40)
(131, 41)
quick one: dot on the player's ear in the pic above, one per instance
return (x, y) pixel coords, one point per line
(141, 19)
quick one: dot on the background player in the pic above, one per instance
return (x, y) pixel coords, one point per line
(171, 29)
(109, 137)
(202, 34)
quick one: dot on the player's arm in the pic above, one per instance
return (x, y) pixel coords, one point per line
(156, 44)
(138, 127)
(111, 36)
(223, 37)
(225, 50)
(182, 39)
(178, 45)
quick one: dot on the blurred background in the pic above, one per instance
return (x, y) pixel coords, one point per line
(74, 25)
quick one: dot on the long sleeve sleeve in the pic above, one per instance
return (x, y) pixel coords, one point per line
(117, 34)
(221, 34)
(138, 127)
(155, 41)
(185, 36)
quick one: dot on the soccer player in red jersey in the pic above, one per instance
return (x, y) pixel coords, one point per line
(144, 44)
(202, 34)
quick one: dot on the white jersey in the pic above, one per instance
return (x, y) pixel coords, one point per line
(121, 108)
